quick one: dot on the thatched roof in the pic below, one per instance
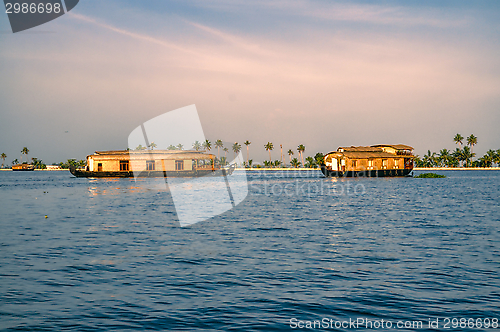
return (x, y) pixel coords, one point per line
(153, 154)
(369, 152)
(360, 149)
(395, 146)
(368, 155)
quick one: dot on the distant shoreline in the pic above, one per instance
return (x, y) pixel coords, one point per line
(38, 170)
(318, 169)
(456, 169)
(415, 169)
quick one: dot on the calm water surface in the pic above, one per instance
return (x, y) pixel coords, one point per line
(111, 256)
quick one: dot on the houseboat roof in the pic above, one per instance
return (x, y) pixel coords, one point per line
(395, 146)
(359, 149)
(374, 151)
(364, 155)
(155, 154)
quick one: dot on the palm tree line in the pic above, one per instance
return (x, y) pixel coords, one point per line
(462, 156)
(310, 162)
(39, 164)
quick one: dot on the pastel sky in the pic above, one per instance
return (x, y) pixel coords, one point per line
(319, 73)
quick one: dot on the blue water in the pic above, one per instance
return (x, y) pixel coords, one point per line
(111, 256)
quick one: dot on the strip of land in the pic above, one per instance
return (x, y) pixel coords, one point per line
(456, 169)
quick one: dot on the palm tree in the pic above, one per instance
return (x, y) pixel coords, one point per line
(310, 162)
(152, 145)
(488, 159)
(290, 154)
(471, 141)
(218, 145)
(170, 147)
(197, 146)
(180, 146)
(301, 148)
(458, 140)
(497, 157)
(467, 155)
(15, 161)
(281, 150)
(319, 158)
(3, 156)
(429, 160)
(236, 149)
(458, 155)
(24, 151)
(443, 158)
(140, 147)
(39, 163)
(225, 154)
(247, 143)
(207, 145)
(295, 162)
(269, 146)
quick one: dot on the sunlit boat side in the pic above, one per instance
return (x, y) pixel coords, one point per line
(150, 163)
(369, 161)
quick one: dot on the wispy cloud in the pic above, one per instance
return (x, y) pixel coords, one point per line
(343, 12)
(135, 35)
(234, 40)
(352, 86)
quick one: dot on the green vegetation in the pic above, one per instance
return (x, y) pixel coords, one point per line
(197, 146)
(24, 151)
(207, 145)
(461, 157)
(73, 162)
(247, 143)
(301, 148)
(269, 146)
(236, 149)
(3, 156)
(429, 175)
(38, 164)
(218, 145)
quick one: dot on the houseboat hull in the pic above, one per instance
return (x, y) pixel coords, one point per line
(80, 173)
(367, 173)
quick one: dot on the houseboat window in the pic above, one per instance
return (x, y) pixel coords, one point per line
(150, 165)
(179, 165)
(384, 163)
(354, 163)
(396, 163)
(370, 164)
(99, 167)
(124, 165)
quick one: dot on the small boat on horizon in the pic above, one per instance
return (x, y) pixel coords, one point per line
(23, 168)
(382, 160)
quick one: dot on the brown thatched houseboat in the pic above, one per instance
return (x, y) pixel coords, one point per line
(148, 163)
(23, 168)
(369, 161)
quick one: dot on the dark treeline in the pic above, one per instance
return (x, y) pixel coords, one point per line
(38, 163)
(462, 156)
